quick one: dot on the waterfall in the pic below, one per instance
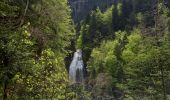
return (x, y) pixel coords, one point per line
(76, 68)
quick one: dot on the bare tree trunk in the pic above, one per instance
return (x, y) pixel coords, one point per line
(25, 11)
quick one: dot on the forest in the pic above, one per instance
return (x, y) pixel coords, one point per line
(114, 51)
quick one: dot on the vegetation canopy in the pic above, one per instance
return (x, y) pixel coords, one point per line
(123, 49)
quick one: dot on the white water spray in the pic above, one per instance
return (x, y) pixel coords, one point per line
(76, 68)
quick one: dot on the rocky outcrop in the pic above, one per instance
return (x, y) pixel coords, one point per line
(102, 88)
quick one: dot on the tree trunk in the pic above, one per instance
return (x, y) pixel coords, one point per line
(163, 83)
(5, 91)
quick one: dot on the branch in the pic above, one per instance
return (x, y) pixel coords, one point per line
(22, 17)
(26, 8)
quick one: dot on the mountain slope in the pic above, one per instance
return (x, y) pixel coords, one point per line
(81, 8)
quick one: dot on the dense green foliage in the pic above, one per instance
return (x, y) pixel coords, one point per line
(126, 50)
(33, 37)
(131, 45)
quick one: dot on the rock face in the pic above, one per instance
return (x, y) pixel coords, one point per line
(81, 8)
(102, 88)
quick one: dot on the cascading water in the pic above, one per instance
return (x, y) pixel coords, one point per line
(76, 68)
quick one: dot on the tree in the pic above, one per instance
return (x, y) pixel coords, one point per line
(34, 35)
